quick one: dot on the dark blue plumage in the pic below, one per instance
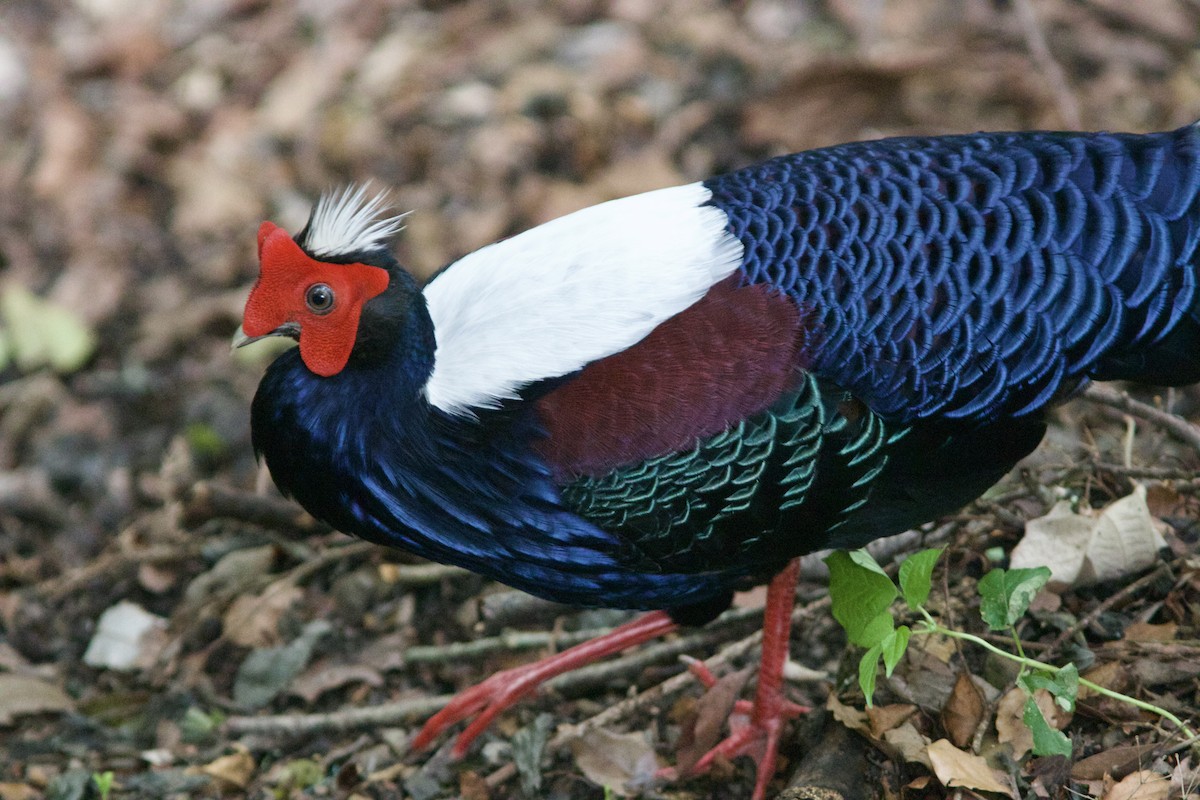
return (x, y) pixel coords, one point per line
(969, 276)
(659, 400)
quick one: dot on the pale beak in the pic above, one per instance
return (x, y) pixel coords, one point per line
(240, 339)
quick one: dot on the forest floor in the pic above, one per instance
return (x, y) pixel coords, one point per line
(171, 627)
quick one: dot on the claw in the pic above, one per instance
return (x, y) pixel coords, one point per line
(504, 689)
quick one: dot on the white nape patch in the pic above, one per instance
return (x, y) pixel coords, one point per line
(548, 301)
(346, 221)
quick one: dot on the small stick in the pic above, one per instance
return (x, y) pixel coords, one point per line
(502, 775)
(110, 565)
(1035, 39)
(1124, 594)
(207, 500)
(512, 606)
(1149, 473)
(1181, 428)
(341, 721)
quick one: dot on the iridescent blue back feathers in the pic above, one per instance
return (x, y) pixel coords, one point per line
(967, 276)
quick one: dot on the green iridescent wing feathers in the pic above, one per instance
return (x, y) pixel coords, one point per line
(748, 490)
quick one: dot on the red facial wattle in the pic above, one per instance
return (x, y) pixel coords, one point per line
(286, 273)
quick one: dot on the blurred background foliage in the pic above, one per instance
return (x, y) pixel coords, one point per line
(142, 141)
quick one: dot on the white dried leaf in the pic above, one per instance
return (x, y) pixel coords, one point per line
(1058, 540)
(1082, 549)
(623, 763)
(127, 637)
(1126, 538)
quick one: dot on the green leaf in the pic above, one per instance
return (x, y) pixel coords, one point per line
(1007, 594)
(205, 441)
(877, 630)
(104, 783)
(866, 561)
(868, 665)
(1046, 740)
(1063, 685)
(528, 745)
(40, 333)
(893, 647)
(266, 672)
(916, 575)
(861, 595)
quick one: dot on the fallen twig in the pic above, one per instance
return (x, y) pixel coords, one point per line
(1035, 39)
(512, 606)
(506, 642)
(341, 721)
(109, 566)
(1124, 594)
(1181, 428)
(1149, 473)
(205, 501)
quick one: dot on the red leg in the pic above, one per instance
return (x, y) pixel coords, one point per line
(759, 738)
(503, 689)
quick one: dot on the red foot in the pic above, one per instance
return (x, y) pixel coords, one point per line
(503, 689)
(755, 728)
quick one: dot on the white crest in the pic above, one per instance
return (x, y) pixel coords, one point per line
(346, 221)
(548, 301)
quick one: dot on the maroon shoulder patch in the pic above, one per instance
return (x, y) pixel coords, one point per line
(726, 357)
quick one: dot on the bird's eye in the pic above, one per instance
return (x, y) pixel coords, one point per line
(319, 298)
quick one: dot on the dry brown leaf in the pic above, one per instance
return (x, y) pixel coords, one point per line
(924, 677)
(233, 771)
(321, 678)
(1159, 670)
(622, 762)
(908, 744)
(954, 767)
(473, 786)
(252, 620)
(1010, 726)
(1147, 632)
(963, 711)
(708, 719)
(1110, 675)
(1140, 785)
(1010, 719)
(885, 718)
(20, 695)
(1164, 500)
(1116, 761)
(1058, 539)
(853, 718)
(18, 791)
(1126, 540)
(233, 571)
